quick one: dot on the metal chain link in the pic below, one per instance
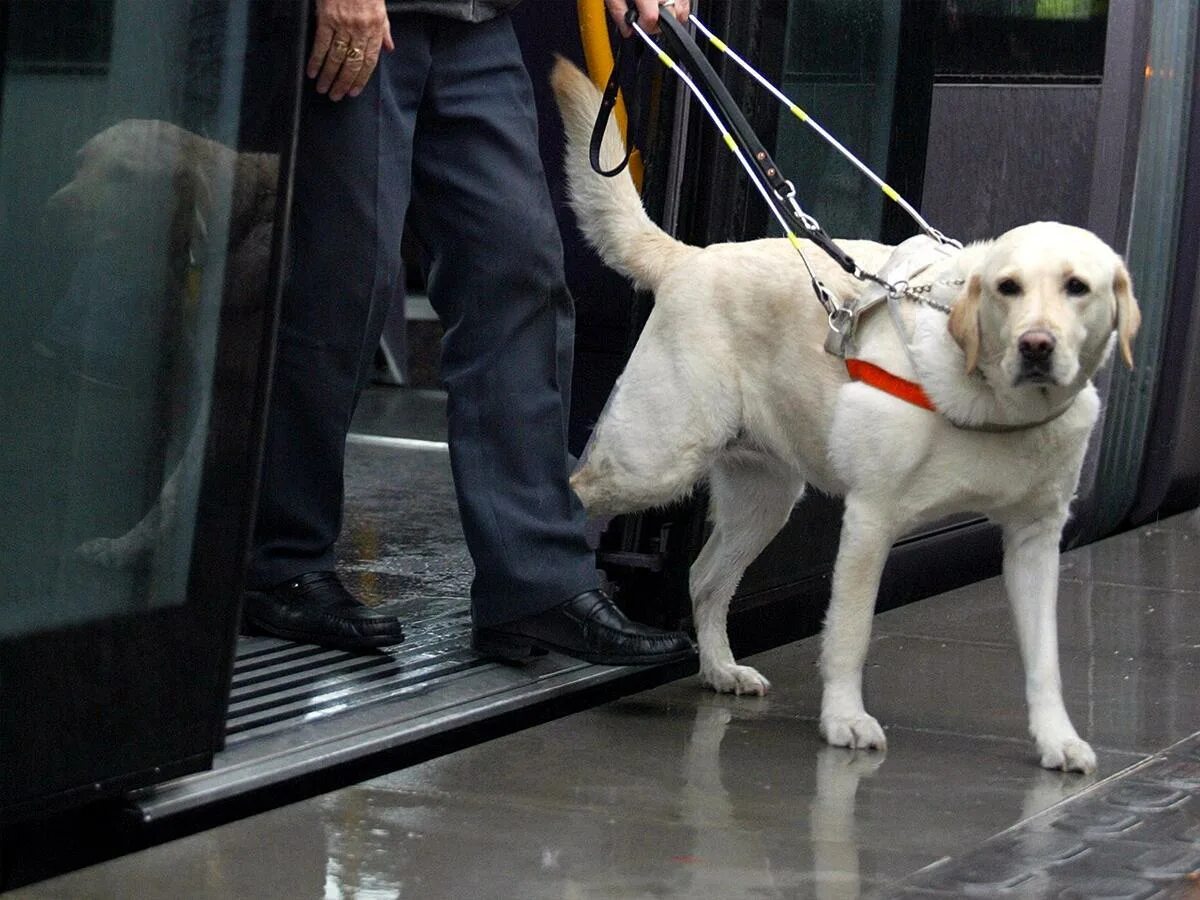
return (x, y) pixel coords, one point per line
(915, 293)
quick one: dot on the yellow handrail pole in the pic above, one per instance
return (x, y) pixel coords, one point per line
(598, 56)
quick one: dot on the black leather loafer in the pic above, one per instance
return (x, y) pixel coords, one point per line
(587, 627)
(316, 608)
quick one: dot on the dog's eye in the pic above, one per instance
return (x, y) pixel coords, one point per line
(1077, 287)
(1008, 287)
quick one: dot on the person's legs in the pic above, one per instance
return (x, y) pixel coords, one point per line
(351, 190)
(482, 208)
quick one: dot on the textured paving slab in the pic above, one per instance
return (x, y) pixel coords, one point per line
(1136, 835)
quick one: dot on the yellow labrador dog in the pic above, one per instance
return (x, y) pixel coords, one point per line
(730, 382)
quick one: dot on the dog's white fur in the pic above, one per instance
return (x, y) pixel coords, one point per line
(730, 382)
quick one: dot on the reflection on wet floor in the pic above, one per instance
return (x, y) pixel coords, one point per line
(401, 538)
(677, 792)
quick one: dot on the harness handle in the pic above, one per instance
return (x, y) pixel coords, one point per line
(609, 100)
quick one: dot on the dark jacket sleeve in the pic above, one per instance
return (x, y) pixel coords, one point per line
(465, 10)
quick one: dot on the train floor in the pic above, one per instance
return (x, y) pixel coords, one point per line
(677, 792)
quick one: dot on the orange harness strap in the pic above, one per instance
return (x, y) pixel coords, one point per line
(908, 391)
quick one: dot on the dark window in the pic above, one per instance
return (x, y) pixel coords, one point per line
(1020, 40)
(59, 35)
(835, 39)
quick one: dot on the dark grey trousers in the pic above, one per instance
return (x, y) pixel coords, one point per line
(447, 122)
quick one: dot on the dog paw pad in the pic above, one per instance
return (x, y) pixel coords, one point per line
(736, 680)
(110, 553)
(860, 732)
(1072, 755)
(102, 551)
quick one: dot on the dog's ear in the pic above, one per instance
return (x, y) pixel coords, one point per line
(964, 321)
(193, 198)
(1128, 318)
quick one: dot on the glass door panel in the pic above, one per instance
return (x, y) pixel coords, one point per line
(840, 67)
(116, 182)
(135, 317)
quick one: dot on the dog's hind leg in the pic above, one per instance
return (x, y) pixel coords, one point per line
(1031, 582)
(751, 497)
(666, 422)
(867, 535)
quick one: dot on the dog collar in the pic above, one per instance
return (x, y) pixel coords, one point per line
(908, 391)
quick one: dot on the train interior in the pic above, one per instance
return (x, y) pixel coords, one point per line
(251, 766)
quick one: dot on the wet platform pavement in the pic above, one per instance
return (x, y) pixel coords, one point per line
(677, 792)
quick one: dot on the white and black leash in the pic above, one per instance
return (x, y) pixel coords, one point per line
(778, 192)
(888, 191)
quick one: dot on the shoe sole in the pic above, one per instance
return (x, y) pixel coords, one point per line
(518, 648)
(299, 637)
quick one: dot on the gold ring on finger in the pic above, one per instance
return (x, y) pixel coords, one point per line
(340, 47)
(355, 54)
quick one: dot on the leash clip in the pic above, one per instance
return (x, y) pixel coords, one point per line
(943, 239)
(809, 223)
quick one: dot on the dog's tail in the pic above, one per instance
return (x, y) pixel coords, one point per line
(609, 210)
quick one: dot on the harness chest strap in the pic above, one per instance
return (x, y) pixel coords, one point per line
(908, 391)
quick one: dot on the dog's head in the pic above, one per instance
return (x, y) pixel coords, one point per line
(1040, 305)
(139, 180)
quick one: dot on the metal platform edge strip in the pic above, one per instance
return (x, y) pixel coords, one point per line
(484, 692)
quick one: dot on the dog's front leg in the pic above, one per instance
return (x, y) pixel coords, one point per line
(1031, 580)
(867, 535)
(135, 547)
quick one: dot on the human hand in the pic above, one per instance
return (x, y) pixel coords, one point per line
(346, 47)
(647, 13)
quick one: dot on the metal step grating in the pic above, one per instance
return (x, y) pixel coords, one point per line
(296, 710)
(278, 684)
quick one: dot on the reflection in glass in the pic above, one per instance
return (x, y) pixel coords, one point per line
(846, 79)
(1023, 40)
(126, 211)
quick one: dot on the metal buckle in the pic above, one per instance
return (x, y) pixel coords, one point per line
(841, 320)
(842, 324)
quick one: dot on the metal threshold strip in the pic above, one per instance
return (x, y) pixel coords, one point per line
(296, 710)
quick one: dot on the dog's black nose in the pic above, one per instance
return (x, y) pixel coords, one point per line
(1036, 346)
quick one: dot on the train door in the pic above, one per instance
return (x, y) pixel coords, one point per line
(137, 260)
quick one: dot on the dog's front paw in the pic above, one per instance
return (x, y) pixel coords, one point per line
(113, 553)
(1070, 755)
(858, 732)
(734, 679)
